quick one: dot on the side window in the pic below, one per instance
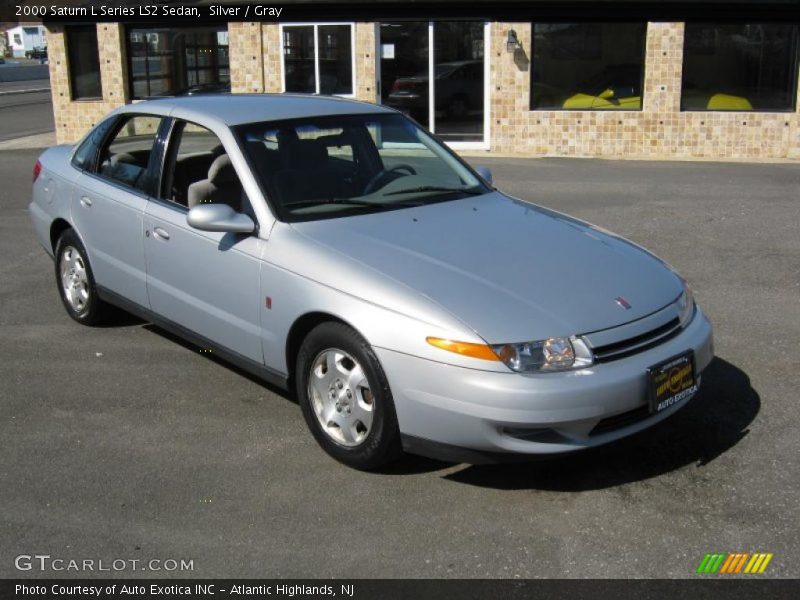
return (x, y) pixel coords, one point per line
(86, 155)
(125, 157)
(199, 171)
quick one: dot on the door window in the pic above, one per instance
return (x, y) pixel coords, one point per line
(199, 171)
(126, 156)
(86, 155)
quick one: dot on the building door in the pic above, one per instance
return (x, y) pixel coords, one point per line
(452, 56)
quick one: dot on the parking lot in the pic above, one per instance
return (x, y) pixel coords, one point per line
(124, 442)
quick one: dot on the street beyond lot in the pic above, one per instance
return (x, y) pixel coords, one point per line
(124, 443)
(27, 113)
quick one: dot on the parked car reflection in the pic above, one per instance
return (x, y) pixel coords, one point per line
(459, 91)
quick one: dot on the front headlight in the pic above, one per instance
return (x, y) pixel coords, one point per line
(552, 354)
(686, 305)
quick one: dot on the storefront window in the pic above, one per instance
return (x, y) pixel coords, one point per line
(450, 54)
(736, 66)
(84, 63)
(318, 59)
(587, 66)
(178, 60)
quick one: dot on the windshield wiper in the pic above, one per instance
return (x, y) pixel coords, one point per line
(434, 188)
(346, 201)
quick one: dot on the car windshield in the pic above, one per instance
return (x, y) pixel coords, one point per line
(334, 166)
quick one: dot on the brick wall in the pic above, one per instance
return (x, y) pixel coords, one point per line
(660, 130)
(73, 118)
(246, 58)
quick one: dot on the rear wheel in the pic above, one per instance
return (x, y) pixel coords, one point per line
(75, 281)
(345, 397)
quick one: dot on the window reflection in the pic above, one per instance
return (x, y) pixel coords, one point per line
(587, 66)
(323, 49)
(178, 60)
(737, 66)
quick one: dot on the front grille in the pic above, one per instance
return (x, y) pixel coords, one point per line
(621, 420)
(638, 343)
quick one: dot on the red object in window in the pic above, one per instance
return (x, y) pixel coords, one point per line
(402, 85)
(37, 168)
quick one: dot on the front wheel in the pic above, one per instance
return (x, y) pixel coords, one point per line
(346, 399)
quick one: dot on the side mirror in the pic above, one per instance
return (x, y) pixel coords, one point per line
(219, 217)
(484, 172)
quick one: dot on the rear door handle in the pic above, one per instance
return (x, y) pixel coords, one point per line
(160, 233)
(86, 202)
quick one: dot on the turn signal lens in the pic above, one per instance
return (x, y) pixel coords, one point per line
(481, 351)
(37, 168)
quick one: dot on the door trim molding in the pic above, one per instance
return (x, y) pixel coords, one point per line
(259, 370)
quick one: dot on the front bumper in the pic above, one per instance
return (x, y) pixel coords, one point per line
(457, 413)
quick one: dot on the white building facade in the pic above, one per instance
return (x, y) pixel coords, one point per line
(24, 38)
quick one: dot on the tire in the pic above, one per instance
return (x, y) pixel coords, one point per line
(349, 411)
(75, 281)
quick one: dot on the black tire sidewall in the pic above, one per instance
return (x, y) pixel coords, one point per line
(92, 314)
(383, 441)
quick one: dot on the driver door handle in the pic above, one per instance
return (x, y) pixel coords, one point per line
(86, 202)
(160, 233)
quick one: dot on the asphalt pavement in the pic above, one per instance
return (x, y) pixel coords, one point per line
(24, 114)
(123, 442)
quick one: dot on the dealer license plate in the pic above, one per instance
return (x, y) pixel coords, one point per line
(671, 381)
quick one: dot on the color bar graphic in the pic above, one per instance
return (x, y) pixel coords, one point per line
(733, 562)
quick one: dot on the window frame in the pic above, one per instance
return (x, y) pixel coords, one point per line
(642, 74)
(72, 96)
(793, 70)
(316, 27)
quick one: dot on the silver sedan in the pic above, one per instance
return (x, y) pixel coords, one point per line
(337, 249)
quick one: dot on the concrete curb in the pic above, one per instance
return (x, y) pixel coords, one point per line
(37, 141)
(31, 91)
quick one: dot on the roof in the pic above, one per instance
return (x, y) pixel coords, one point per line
(237, 109)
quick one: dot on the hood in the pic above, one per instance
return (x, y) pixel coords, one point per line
(510, 270)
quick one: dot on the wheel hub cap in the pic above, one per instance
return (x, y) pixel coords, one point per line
(74, 279)
(341, 397)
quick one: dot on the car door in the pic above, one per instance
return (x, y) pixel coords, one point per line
(205, 282)
(108, 208)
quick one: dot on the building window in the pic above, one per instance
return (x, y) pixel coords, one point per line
(587, 66)
(84, 63)
(18, 39)
(736, 66)
(167, 61)
(318, 59)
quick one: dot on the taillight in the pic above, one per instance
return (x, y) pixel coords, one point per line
(402, 85)
(37, 168)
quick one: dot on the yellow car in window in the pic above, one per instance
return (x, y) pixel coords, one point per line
(610, 99)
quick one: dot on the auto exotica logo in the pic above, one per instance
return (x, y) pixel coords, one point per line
(728, 563)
